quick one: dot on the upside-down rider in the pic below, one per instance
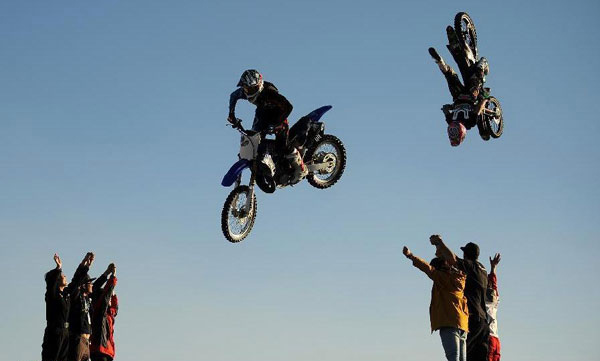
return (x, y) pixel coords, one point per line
(473, 72)
(272, 110)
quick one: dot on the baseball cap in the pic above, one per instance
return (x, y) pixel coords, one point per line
(471, 250)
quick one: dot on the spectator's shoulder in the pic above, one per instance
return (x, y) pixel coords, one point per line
(461, 264)
(480, 266)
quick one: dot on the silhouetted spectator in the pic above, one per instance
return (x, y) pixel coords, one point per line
(448, 311)
(55, 345)
(491, 305)
(80, 320)
(105, 306)
(475, 288)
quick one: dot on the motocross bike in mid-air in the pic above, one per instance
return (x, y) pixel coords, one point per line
(490, 121)
(323, 154)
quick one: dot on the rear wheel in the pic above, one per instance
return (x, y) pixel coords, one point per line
(465, 29)
(329, 150)
(236, 221)
(493, 117)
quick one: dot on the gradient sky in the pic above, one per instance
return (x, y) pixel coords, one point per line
(113, 139)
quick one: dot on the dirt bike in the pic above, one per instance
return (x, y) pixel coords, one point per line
(490, 121)
(323, 154)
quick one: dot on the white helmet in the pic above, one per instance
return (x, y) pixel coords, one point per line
(252, 83)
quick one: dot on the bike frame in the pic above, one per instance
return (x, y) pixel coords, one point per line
(249, 143)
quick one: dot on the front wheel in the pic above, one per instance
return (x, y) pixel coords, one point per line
(236, 221)
(465, 29)
(328, 150)
(494, 118)
(483, 127)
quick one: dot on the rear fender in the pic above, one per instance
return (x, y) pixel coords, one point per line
(236, 169)
(308, 124)
(316, 114)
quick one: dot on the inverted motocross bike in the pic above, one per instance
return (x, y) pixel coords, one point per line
(490, 121)
(323, 154)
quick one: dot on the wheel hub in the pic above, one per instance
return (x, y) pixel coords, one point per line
(329, 160)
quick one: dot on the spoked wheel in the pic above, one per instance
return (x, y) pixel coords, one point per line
(329, 150)
(483, 127)
(236, 221)
(494, 118)
(465, 29)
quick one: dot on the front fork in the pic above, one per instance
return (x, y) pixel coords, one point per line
(248, 204)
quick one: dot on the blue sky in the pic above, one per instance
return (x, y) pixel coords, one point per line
(113, 139)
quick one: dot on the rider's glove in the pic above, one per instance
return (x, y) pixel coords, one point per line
(235, 122)
(231, 118)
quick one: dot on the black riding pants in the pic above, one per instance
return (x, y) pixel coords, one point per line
(281, 131)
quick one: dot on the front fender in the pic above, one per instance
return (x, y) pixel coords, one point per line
(236, 169)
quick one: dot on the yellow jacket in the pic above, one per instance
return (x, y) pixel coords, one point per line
(448, 306)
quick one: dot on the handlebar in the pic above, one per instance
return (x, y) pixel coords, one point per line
(240, 128)
(237, 125)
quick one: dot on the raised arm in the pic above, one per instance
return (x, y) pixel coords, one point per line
(441, 250)
(54, 279)
(233, 98)
(494, 262)
(107, 292)
(114, 301)
(81, 271)
(98, 283)
(418, 262)
(492, 279)
(114, 305)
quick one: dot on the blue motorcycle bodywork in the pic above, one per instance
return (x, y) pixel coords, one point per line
(236, 169)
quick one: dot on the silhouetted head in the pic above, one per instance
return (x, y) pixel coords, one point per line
(470, 251)
(439, 264)
(55, 277)
(87, 284)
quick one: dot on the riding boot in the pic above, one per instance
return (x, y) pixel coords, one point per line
(300, 170)
(453, 43)
(439, 60)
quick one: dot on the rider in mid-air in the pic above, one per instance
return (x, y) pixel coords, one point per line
(272, 110)
(473, 72)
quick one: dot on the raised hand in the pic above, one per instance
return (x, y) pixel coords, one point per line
(494, 261)
(435, 239)
(57, 261)
(88, 259)
(406, 252)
